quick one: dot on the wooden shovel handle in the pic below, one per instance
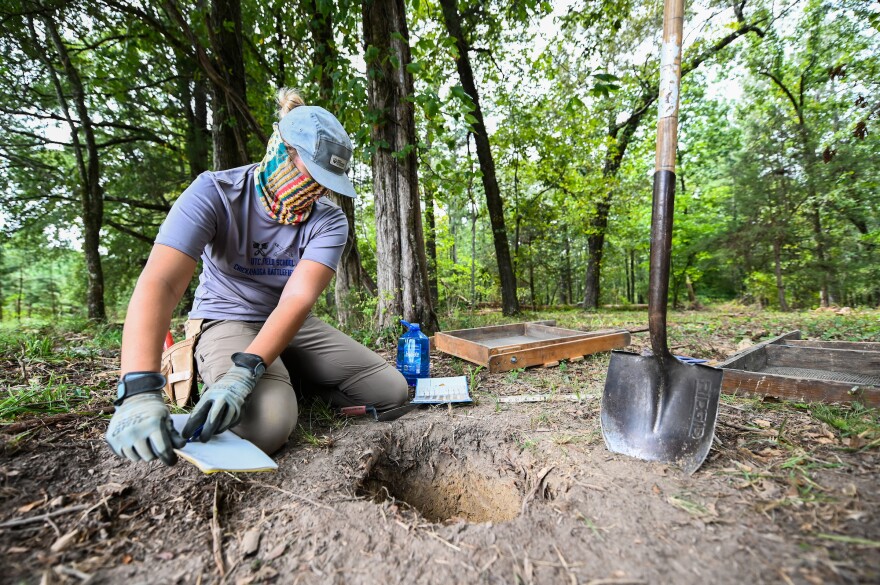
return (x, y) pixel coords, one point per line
(664, 174)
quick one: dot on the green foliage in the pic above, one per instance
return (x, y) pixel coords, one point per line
(851, 420)
(777, 162)
(41, 397)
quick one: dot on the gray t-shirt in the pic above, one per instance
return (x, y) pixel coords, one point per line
(247, 256)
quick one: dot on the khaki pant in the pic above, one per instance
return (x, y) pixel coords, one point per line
(320, 361)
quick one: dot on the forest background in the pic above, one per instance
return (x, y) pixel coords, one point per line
(504, 150)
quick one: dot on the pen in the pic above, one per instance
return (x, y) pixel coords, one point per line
(196, 434)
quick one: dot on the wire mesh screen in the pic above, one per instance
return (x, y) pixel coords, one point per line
(847, 377)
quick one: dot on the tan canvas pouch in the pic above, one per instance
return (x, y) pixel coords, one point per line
(178, 365)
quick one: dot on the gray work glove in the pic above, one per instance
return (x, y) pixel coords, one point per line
(141, 428)
(220, 406)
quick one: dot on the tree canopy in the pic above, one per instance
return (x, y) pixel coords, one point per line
(529, 159)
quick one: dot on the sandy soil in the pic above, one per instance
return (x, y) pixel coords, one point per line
(489, 493)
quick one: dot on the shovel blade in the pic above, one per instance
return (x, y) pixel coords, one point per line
(672, 425)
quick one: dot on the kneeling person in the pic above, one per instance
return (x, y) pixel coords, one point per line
(270, 244)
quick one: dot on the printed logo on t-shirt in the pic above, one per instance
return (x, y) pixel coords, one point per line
(277, 251)
(262, 264)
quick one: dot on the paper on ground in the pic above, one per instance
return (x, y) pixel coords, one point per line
(441, 390)
(224, 452)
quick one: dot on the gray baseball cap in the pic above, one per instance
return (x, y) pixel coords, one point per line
(322, 144)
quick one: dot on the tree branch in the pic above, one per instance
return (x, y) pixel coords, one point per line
(139, 204)
(141, 138)
(787, 93)
(129, 231)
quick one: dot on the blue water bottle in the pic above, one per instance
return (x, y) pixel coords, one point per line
(413, 354)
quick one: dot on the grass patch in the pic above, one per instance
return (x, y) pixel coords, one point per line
(315, 440)
(52, 397)
(850, 540)
(50, 342)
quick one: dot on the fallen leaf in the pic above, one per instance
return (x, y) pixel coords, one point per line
(764, 424)
(30, 506)
(854, 442)
(265, 573)
(276, 552)
(126, 559)
(112, 489)
(15, 550)
(656, 489)
(744, 344)
(64, 541)
(767, 490)
(250, 543)
(57, 502)
(743, 467)
(165, 555)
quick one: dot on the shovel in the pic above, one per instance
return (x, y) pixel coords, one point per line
(655, 407)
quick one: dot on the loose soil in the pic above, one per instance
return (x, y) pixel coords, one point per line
(489, 493)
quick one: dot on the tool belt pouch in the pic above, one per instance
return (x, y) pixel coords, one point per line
(179, 366)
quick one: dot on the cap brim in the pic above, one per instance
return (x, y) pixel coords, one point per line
(340, 184)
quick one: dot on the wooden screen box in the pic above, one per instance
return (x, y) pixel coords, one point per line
(806, 371)
(508, 347)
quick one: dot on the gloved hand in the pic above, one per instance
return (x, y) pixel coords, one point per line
(141, 428)
(220, 406)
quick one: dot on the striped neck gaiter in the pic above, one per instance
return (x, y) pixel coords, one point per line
(286, 193)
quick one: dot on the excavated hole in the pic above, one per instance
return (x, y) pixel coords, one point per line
(444, 489)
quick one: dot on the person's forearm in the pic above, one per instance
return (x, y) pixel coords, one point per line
(146, 324)
(280, 328)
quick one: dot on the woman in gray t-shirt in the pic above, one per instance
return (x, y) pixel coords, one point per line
(269, 244)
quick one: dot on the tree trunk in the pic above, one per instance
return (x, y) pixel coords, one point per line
(453, 231)
(510, 304)
(20, 291)
(229, 130)
(531, 278)
(350, 275)
(431, 247)
(777, 265)
(194, 99)
(351, 278)
(473, 253)
(825, 298)
(400, 250)
(631, 278)
(325, 55)
(595, 243)
(91, 192)
(692, 295)
(569, 298)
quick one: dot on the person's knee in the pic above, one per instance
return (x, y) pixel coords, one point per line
(387, 387)
(269, 416)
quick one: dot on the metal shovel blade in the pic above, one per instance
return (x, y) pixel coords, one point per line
(660, 410)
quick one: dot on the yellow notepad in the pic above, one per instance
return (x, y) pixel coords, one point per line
(224, 452)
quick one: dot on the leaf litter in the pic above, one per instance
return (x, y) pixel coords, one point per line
(787, 494)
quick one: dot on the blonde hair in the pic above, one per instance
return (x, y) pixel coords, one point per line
(288, 98)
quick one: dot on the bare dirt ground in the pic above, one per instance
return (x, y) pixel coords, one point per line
(489, 493)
